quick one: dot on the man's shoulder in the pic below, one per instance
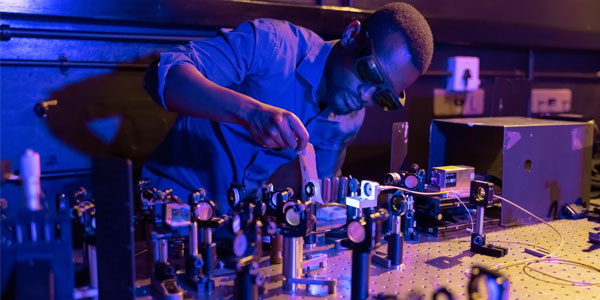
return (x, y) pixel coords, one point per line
(286, 30)
(280, 24)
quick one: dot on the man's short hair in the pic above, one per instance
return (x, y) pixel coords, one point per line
(404, 18)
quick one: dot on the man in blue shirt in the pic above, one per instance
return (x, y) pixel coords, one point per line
(251, 98)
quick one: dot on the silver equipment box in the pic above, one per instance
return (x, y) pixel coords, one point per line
(452, 178)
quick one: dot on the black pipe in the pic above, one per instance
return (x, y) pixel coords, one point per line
(7, 33)
(360, 274)
(244, 289)
(209, 254)
(394, 253)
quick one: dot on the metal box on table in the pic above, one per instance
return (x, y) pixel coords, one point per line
(455, 179)
(538, 164)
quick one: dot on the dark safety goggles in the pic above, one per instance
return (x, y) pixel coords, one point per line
(369, 72)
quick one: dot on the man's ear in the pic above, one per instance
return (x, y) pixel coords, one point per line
(350, 33)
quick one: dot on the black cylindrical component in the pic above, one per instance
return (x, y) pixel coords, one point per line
(205, 235)
(395, 249)
(276, 245)
(243, 287)
(353, 213)
(163, 270)
(360, 274)
(310, 239)
(209, 254)
(193, 265)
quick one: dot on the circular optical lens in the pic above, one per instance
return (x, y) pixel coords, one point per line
(398, 205)
(292, 216)
(233, 197)
(240, 244)
(411, 181)
(367, 190)
(309, 189)
(236, 223)
(204, 211)
(480, 194)
(356, 232)
(393, 179)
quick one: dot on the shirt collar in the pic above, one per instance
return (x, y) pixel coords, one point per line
(311, 67)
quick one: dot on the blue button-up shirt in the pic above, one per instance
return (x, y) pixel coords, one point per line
(274, 62)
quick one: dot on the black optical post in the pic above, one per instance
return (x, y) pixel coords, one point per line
(393, 259)
(247, 243)
(482, 195)
(201, 243)
(300, 220)
(364, 235)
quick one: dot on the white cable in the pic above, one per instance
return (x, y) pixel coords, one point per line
(549, 255)
(467, 209)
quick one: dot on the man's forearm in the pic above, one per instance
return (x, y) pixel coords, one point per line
(188, 92)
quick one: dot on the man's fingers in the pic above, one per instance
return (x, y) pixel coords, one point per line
(288, 136)
(276, 139)
(300, 132)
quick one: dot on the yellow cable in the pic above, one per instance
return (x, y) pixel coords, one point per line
(333, 204)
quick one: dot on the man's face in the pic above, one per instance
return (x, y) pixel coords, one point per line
(346, 92)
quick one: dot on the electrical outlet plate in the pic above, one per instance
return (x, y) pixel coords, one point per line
(550, 100)
(458, 103)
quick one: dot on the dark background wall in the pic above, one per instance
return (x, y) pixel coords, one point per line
(90, 56)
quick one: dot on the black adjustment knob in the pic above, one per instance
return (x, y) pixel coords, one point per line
(353, 185)
(197, 196)
(41, 108)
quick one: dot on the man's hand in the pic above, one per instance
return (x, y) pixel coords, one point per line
(274, 127)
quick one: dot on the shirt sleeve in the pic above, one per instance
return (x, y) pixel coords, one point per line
(226, 59)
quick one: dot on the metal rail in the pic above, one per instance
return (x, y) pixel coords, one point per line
(73, 64)
(7, 33)
(432, 73)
